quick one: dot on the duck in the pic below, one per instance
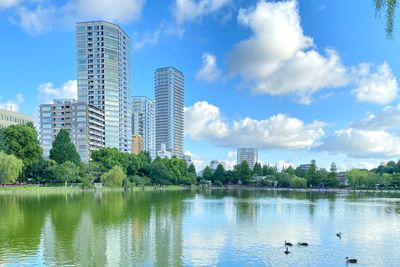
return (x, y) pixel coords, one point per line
(350, 260)
(288, 244)
(339, 235)
(287, 251)
(302, 244)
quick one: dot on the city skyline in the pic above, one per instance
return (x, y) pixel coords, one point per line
(340, 105)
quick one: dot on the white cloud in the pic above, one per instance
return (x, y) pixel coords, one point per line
(189, 10)
(8, 3)
(42, 16)
(153, 38)
(374, 136)
(12, 104)
(209, 71)
(278, 58)
(378, 87)
(47, 91)
(284, 164)
(197, 160)
(204, 121)
(360, 143)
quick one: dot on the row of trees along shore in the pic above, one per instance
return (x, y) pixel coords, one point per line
(21, 159)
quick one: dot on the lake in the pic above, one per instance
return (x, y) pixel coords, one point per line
(203, 228)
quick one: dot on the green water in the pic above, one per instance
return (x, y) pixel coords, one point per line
(183, 228)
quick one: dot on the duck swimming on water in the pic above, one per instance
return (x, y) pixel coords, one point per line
(302, 244)
(288, 244)
(350, 260)
(287, 251)
(339, 235)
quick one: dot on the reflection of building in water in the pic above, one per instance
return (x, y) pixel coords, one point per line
(246, 212)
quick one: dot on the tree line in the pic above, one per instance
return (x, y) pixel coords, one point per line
(385, 176)
(21, 159)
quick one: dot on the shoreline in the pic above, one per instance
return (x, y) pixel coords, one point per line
(306, 190)
(61, 189)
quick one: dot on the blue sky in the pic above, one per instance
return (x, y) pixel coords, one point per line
(300, 80)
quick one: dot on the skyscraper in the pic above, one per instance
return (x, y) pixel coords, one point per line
(103, 65)
(248, 154)
(169, 91)
(143, 122)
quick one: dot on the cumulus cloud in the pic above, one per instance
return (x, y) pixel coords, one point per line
(209, 70)
(374, 136)
(164, 31)
(278, 58)
(13, 104)
(48, 92)
(197, 160)
(203, 121)
(378, 87)
(41, 16)
(8, 3)
(189, 10)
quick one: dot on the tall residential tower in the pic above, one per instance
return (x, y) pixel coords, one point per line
(143, 122)
(169, 91)
(103, 65)
(248, 154)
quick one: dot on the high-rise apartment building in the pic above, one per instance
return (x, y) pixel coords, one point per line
(84, 123)
(248, 154)
(169, 91)
(143, 122)
(8, 117)
(103, 65)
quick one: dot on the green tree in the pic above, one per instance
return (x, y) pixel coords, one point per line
(63, 149)
(244, 172)
(390, 6)
(207, 173)
(10, 168)
(258, 170)
(22, 141)
(159, 173)
(312, 174)
(219, 174)
(192, 169)
(331, 179)
(114, 177)
(297, 182)
(64, 172)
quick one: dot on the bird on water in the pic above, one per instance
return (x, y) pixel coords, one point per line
(287, 251)
(350, 260)
(288, 244)
(302, 244)
(339, 235)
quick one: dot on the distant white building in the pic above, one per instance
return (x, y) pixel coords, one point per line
(214, 164)
(163, 153)
(248, 154)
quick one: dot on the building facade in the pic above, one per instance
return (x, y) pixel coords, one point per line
(248, 154)
(143, 122)
(137, 144)
(169, 92)
(103, 65)
(84, 123)
(8, 118)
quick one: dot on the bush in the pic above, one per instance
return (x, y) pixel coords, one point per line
(114, 177)
(140, 181)
(10, 168)
(297, 182)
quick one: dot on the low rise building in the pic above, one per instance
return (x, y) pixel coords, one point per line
(84, 123)
(8, 117)
(163, 153)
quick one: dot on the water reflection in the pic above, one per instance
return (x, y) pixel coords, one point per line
(184, 228)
